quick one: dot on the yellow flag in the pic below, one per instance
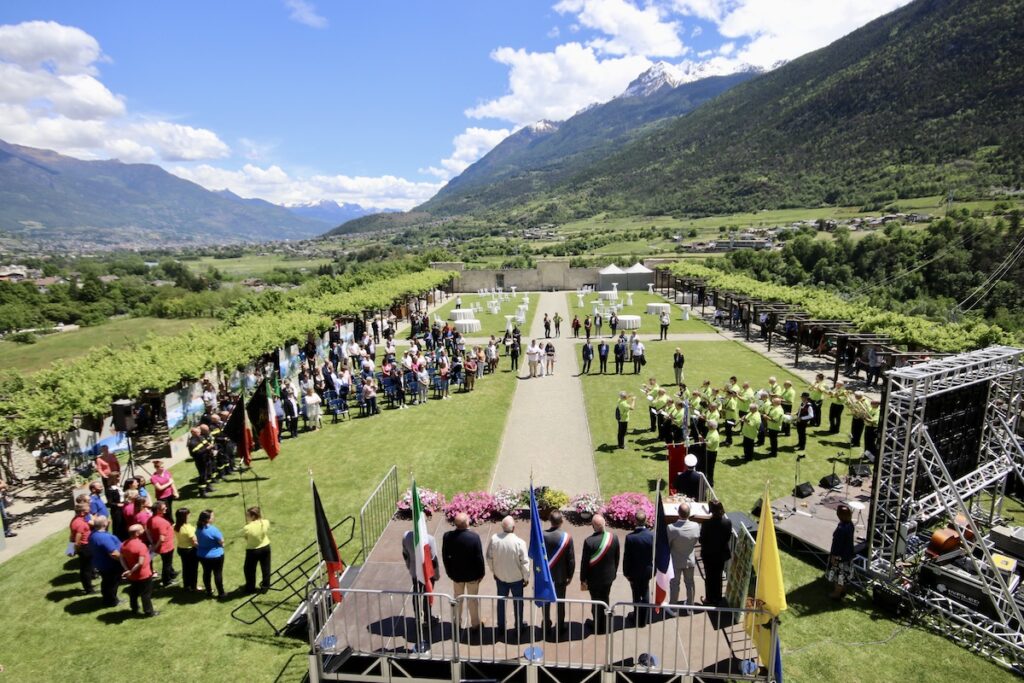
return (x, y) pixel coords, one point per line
(769, 591)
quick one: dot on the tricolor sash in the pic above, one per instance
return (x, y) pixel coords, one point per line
(602, 549)
(563, 544)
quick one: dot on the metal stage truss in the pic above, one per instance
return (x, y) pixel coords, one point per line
(915, 489)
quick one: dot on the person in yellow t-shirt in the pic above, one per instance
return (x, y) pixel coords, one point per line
(185, 541)
(751, 427)
(622, 411)
(257, 550)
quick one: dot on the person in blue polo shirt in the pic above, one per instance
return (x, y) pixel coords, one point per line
(97, 506)
(106, 558)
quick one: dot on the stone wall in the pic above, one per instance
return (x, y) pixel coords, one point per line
(548, 275)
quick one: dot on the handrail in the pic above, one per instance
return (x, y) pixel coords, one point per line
(379, 508)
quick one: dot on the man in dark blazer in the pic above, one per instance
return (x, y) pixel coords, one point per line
(638, 565)
(602, 356)
(463, 556)
(598, 566)
(588, 356)
(562, 562)
(715, 537)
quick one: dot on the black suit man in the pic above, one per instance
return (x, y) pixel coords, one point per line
(588, 356)
(715, 537)
(599, 565)
(620, 355)
(562, 562)
(638, 565)
(602, 356)
(463, 556)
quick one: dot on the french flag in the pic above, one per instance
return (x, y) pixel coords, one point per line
(663, 569)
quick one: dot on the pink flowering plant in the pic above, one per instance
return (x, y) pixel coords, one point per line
(507, 501)
(621, 509)
(478, 505)
(586, 503)
(432, 501)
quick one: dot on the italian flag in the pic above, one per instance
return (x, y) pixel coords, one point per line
(424, 557)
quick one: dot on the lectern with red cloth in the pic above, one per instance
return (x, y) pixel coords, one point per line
(676, 464)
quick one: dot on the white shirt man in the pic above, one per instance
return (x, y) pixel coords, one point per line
(509, 561)
(533, 354)
(682, 538)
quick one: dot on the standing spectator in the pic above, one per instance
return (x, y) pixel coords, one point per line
(557, 319)
(623, 409)
(664, 321)
(588, 356)
(210, 551)
(638, 566)
(682, 539)
(463, 557)
(6, 518)
(312, 404)
(587, 325)
(137, 570)
(106, 558)
(613, 323)
(513, 354)
(599, 564)
(715, 536)
(421, 604)
(678, 360)
(257, 551)
(291, 409)
(638, 356)
(422, 384)
(370, 396)
(97, 506)
(840, 559)
(108, 467)
(547, 326)
(161, 539)
(602, 356)
(576, 326)
(598, 322)
(533, 357)
(471, 367)
(620, 355)
(458, 301)
(509, 561)
(185, 538)
(562, 563)
(549, 353)
(79, 546)
(163, 486)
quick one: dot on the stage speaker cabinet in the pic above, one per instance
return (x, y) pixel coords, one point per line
(756, 510)
(830, 481)
(860, 470)
(803, 490)
(123, 414)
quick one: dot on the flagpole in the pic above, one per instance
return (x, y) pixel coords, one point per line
(654, 546)
(245, 506)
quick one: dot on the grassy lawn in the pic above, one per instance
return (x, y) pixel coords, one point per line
(492, 324)
(59, 346)
(821, 641)
(252, 265)
(649, 326)
(42, 600)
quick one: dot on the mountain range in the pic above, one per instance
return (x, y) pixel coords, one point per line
(926, 100)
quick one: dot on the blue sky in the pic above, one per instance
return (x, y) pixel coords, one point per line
(371, 102)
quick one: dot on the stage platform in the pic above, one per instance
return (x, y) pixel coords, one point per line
(377, 618)
(810, 521)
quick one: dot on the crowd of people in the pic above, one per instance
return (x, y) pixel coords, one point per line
(708, 418)
(466, 562)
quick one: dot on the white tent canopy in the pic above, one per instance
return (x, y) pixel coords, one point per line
(611, 270)
(638, 268)
(638, 277)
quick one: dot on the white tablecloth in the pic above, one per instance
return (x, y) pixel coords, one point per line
(629, 322)
(461, 314)
(609, 295)
(657, 309)
(464, 326)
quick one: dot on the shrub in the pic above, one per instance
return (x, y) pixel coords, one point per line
(478, 505)
(22, 338)
(552, 499)
(621, 509)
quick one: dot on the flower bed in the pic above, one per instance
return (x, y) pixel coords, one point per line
(478, 505)
(621, 509)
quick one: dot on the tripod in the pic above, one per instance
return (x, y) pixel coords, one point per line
(791, 510)
(130, 467)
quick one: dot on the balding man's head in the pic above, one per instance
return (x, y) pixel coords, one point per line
(462, 521)
(597, 522)
(508, 525)
(684, 511)
(641, 518)
(135, 530)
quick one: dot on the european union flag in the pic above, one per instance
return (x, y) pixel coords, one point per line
(543, 586)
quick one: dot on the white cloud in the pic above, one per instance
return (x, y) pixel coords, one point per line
(51, 96)
(469, 146)
(696, 32)
(274, 184)
(630, 30)
(555, 85)
(727, 49)
(303, 12)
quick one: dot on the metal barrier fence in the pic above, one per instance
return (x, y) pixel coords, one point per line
(378, 510)
(700, 641)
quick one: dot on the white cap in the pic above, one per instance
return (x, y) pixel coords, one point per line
(690, 460)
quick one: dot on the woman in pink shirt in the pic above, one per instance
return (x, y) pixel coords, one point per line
(163, 484)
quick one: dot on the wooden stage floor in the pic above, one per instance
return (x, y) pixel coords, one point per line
(385, 624)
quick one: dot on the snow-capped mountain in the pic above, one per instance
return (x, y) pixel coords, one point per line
(329, 211)
(664, 75)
